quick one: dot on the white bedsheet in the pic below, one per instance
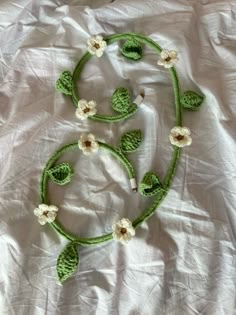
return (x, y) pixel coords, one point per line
(182, 260)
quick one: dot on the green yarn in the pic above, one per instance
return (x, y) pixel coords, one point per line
(131, 49)
(121, 100)
(175, 156)
(130, 141)
(61, 174)
(47, 173)
(67, 262)
(57, 226)
(132, 110)
(64, 83)
(150, 184)
(136, 40)
(191, 100)
(121, 157)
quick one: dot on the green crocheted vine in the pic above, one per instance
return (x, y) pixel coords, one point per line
(121, 100)
(151, 185)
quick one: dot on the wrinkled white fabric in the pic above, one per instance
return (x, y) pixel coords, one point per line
(182, 260)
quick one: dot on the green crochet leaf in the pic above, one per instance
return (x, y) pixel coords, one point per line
(191, 100)
(132, 49)
(121, 100)
(130, 141)
(61, 174)
(150, 184)
(64, 83)
(67, 262)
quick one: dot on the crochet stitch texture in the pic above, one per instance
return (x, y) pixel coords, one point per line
(151, 185)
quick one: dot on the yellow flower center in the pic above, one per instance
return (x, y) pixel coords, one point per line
(179, 137)
(167, 59)
(87, 143)
(123, 230)
(96, 45)
(86, 110)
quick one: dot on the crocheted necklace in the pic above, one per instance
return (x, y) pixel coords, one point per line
(151, 184)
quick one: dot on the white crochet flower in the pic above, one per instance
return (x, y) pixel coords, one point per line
(46, 213)
(123, 231)
(85, 109)
(96, 45)
(88, 144)
(168, 58)
(180, 136)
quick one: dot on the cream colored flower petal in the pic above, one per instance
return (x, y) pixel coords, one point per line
(94, 145)
(81, 145)
(98, 38)
(173, 54)
(91, 41)
(164, 54)
(99, 52)
(42, 220)
(188, 140)
(160, 62)
(125, 223)
(176, 130)
(92, 50)
(183, 143)
(116, 236)
(92, 104)
(80, 114)
(90, 137)
(82, 103)
(132, 231)
(92, 112)
(173, 140)
(103, 44)
(83, 137)
(43, 207)
(87, 151)
(80, 110)
(51, 216)
(94, 149)
(53, 208)
(38, 212)
(185, 131)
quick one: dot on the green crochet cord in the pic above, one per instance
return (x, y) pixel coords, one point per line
(70, 83)
(173, 163)
(46, 174)
(151, 185)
